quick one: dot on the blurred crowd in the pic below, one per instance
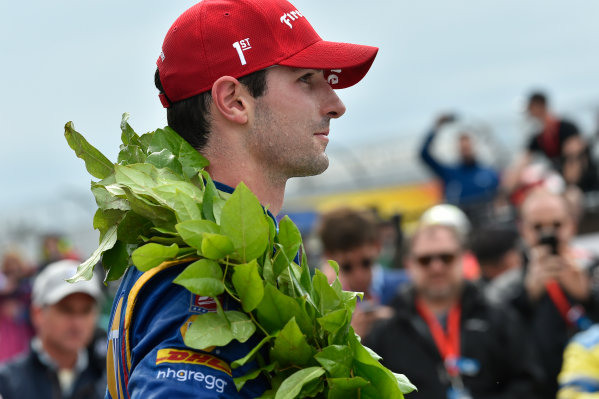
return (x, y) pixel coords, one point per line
(489, 295)
(494, 292)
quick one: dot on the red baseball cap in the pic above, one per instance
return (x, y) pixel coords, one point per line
(217, 38)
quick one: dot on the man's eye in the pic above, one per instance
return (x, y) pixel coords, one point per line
(306, 78)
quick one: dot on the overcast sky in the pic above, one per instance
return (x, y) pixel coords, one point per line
(88, 61)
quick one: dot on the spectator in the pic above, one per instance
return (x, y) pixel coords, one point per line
(15, 298)
(579, 377)
(555, 292)
(549, 140)
(497, 250)
(467, 184)
(482, 354)
(577, 166)
(351, 238)
(61, 364)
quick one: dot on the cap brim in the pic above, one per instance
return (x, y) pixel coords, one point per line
(353, 61)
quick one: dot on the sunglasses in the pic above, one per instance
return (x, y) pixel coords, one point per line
(365, 263)
(538, 227)
(447, 258)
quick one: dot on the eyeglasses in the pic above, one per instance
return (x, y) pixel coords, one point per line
(365, 263)
(447, 258)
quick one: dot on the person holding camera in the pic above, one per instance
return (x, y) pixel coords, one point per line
(556, 292)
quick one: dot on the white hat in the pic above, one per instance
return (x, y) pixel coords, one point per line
(50, 286)
(447, 215)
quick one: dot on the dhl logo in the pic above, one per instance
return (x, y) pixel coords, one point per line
(184, 356)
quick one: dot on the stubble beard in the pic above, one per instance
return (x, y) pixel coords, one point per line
(281, 153)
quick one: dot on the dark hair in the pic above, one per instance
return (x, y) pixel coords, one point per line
(490, 244)
(537, 97)
(190, 117)
(345, 229)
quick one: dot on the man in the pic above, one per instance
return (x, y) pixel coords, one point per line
(555, 292)
(250, 85)
(444, 336)
(351, 238)
(467, 184)
(548, 141)
(59, 365)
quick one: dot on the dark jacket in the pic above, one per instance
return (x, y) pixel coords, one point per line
(548, 329)
(28, 377)
(490, 335)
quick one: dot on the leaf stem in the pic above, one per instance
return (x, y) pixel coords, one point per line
(258, 324)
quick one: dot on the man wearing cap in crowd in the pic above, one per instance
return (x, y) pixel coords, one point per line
(250, 85)
(59, 364)
(445, 336)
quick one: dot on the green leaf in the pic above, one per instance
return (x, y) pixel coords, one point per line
(85, 271)
(384, 384)
(218, 329)
(184, 198)
(335, 266)
(115, 261)
(249, 285)
(207, 330)
(151, 255)
(130, 154)
(292, 386)
(289, 237)
(216, 246)
(203, 278)
(167, 139)
(336, 360)
(160, 216)
(165, 159)
(106, 200)
(276, 309)
(95, 162)
(252, 353)
(104, 220)
(210, 195)
(244, 222)
(291, 347)
(328, 299)
(240, 381)
(192, 231)
(132, 227)
(404, 383)
(346, 388)
(242, 327)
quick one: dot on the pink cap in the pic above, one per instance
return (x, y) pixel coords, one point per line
(217, 38)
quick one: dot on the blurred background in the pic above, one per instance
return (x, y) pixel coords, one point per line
(90, 61)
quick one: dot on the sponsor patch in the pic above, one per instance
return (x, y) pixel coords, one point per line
(190, 357)
(202, 304)
(210, 382)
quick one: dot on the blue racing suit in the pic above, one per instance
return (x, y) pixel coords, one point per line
(147, 357)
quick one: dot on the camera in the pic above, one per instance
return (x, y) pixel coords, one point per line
(549, 239)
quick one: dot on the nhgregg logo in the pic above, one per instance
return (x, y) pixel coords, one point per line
(210, 382)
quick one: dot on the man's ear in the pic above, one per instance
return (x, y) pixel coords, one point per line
(230, 99)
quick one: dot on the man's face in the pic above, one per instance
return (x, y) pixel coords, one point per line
(536, 110)
(290, 125)
(355, 266)
(545, 215)
(435, 264)
(466, 148)
(68, 325)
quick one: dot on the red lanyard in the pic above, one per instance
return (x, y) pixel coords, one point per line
(559, 299)
(448, 343)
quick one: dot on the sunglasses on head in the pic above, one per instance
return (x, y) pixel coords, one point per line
(365, 263)
(447, 258)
